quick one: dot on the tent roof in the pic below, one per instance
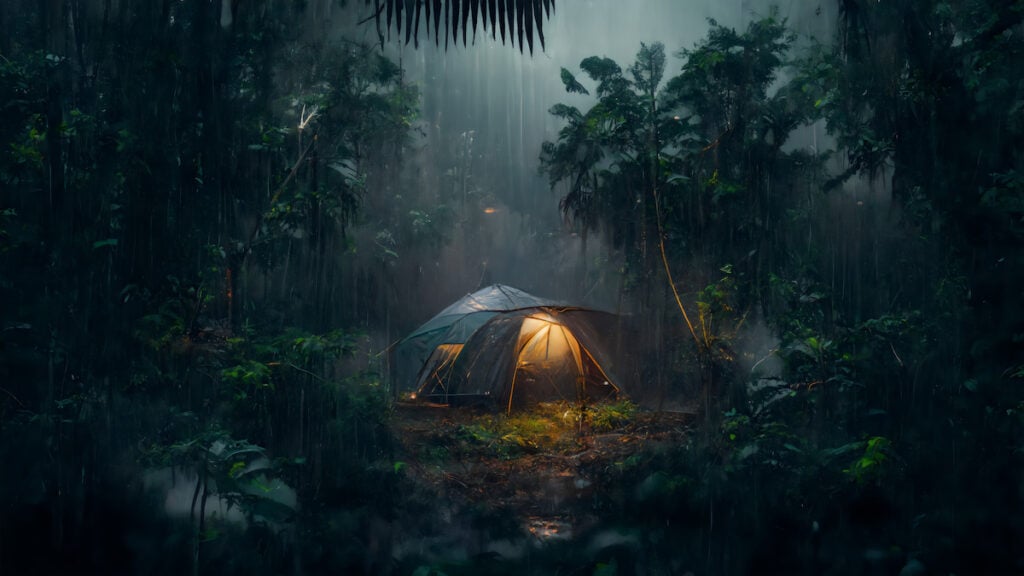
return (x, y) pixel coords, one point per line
(494, 298)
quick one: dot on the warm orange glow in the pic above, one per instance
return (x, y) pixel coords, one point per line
(490, 210)
(542, 340)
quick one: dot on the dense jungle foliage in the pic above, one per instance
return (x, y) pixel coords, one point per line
(203, 223)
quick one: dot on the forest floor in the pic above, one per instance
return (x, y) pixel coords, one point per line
(496, 484)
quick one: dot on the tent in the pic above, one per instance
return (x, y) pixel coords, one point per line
(502, 346)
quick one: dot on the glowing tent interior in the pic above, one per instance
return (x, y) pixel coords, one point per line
(510, 349)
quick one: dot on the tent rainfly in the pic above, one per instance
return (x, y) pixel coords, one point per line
(503, 346)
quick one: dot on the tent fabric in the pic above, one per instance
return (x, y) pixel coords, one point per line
(494, 298)
(435, 372)
(454, 325)
(506, 347)
(523, 357)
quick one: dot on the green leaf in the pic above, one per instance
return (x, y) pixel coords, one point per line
(346, 168)
(571, 84)
(607, 569)
(235, 469)
(600, 69)
(830, 453)
(270, 509)
(566, 112)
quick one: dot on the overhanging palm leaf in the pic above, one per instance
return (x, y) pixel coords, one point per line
(522, 18)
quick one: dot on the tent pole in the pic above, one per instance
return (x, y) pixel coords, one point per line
(576, 349)
(601, 370)
(512, 391)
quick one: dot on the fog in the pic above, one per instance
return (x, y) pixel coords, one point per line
(775, 287)
(498, 97)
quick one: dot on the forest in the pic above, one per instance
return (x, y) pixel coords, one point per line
(220, 220)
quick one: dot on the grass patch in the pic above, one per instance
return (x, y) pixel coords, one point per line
(612, 416)
(550, 427)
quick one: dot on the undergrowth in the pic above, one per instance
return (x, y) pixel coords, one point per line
(548, 427)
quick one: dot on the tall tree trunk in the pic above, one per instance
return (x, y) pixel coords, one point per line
(53, 34)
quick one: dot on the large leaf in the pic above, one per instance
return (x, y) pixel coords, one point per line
(524, 19)
(571, 84)
(600, 69)
(109, 242)
(566, 112)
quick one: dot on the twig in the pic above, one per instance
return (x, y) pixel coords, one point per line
(304, 371)
(898, 359)
(276, 196)
(304, 120)
(452, 478)
(6, 391)
(766, 356)
(372, 16)
(716, 141)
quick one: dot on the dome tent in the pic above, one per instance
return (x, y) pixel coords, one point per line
(451, 328)
(507, 347)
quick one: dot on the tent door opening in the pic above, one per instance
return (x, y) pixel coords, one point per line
(549, 363)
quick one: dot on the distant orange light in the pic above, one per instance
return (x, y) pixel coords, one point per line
(412, 396)
(490, 210)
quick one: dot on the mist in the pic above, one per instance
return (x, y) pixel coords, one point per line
(502, 97)
(647, 287)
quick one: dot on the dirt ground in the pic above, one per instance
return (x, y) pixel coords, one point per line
(498, 484)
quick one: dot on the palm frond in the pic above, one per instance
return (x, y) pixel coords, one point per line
(523, 19)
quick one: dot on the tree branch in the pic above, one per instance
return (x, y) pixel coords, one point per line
(277, 195)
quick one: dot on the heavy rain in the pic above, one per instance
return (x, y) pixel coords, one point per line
(460, 287)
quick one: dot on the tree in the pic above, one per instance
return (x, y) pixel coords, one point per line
(178, 212)
(680, 175)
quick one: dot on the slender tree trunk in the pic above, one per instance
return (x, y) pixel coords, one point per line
(200, 495)
(5, 29)
(583, 259)
(53, 31)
